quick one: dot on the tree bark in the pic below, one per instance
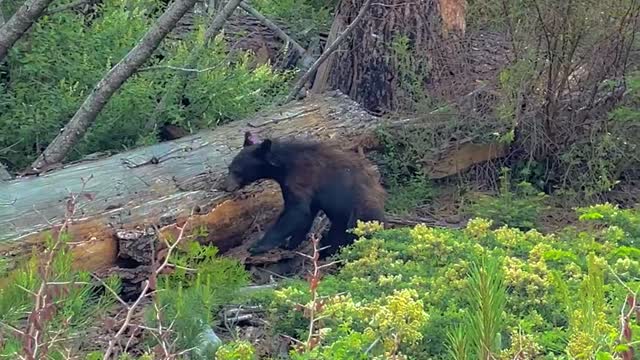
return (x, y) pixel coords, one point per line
(366, 66)
(19, 23)
(93, 104)
(218, 22)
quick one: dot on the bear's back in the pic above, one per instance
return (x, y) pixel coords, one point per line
(313, 165)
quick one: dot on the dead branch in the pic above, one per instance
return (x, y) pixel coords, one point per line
(328, 51)
(110, 83)
(273, 27)
(149, 284)
(19, 23)
(34, 344)
(218, 22)
(4, 173)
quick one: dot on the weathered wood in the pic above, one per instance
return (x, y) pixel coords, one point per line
(164, 191)
(460, 157)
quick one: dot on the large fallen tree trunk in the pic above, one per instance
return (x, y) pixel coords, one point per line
(160, 185)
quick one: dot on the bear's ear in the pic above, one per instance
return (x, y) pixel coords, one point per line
(264, 148)
(249, 139)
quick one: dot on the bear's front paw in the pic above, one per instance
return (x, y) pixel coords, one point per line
(259, 248)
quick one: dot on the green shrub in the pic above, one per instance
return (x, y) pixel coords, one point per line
(305, 19)
(402, 171)
(188, 299)
(515, 292)
(238, 350)
(519, 208)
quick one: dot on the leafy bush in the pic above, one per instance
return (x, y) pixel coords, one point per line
(438, 293)
(519, 208)
(239, 350)
(402, 171)
(54, 68)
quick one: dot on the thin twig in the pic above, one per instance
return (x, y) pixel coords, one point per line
(145, 292)
(178, 68)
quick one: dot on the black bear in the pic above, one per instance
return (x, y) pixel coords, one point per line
(312, 176)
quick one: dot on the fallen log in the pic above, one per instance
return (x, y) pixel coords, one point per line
(161, 185)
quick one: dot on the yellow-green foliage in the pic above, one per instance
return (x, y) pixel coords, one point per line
(238, 350)
(427, 293)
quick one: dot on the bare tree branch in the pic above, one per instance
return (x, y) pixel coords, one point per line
(218, 22)
(19, 23)
(110, 83)
(328, 51)
(273, 27)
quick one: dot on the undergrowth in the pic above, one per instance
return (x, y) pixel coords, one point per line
(517, 207)
(476, 293)
(403, 293)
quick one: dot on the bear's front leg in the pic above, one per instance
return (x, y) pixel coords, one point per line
(294, 220)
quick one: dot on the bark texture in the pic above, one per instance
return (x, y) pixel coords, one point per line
(19, 23)
(218, 22)
(110, 83)
(366, 67)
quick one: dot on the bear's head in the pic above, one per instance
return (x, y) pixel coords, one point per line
(253, 162)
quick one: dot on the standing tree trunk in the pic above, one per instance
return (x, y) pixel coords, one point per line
(110, 83)
(370, 68)
(19, 23)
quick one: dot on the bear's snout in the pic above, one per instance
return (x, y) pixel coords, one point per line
(230, 183)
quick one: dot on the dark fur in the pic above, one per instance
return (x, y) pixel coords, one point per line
(313, 177)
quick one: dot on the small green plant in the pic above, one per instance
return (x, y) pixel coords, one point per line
(402, 171)
(188, 297)
(479, 336)
(411, 70)
(237, 350)
(518, 208)
(487, 294)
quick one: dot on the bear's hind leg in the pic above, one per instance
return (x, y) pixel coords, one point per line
(336, 238)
